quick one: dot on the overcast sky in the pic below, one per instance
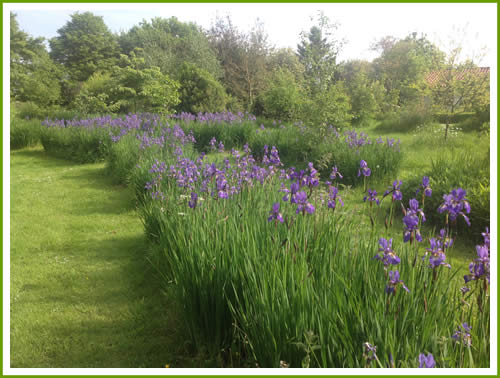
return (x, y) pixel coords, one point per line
(359, 24)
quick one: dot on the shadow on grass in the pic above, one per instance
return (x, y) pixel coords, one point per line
(88, 299)
(113, 312)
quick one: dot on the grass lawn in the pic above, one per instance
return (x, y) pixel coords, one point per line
(82, 291)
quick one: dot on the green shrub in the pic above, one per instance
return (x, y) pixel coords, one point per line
(330, 107)
(200, 91)
(282, 100)
(95, 93)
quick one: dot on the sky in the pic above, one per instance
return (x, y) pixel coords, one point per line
(358, 24)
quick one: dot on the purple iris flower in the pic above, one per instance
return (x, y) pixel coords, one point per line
(369, 352)
(425, 186)
(395, 190)
(455, 204)
(372, 196)
(394, 281)
(463, 335)
(274, 157)
(312, 180)
(334, 197)
(486, 236)
(437, 255)
(335, 173)
(415, 210)
(363, 168)
(303, 205)
(480, 267)
(411, 221)
(275, 213)
(388, 256)
(465, 289)
(426, 361)
(411, 224)
(294, 188)
(445, 240)
(193, 201)
(213, 141)
(221, 147)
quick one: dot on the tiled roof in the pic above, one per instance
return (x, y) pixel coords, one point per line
(434, 76)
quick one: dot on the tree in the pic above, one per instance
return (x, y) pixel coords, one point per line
(404, 63)
(143, 89)
(168, 43)
(243, 58)
(283, 99)
(84, 45)
(366, 96)
(33, 75)
(461, 85)
(95, 95)
(318, 52)
(199, 91)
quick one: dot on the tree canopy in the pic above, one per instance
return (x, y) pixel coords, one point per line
(84, 45)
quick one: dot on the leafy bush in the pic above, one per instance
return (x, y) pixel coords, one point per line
(283, 99)
(330, 107)
(200, 91)
(94, 95)
(143, 89)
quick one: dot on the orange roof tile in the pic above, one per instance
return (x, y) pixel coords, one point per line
(434, 76)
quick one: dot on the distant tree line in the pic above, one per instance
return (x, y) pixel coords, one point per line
(165, 65)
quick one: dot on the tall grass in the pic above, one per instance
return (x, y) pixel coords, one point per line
(24, 133)
(306, 292)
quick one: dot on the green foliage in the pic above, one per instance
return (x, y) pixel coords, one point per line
(243, 58)
(33, 75)
(283, 98)
(169, 43)
(143, 89)
(364, 99)
(200, 91)
(330, 107)
(318, 52)
(84, 45)
(403, 63)
(95, 93)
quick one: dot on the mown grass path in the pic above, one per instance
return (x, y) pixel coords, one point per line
(82, 292)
